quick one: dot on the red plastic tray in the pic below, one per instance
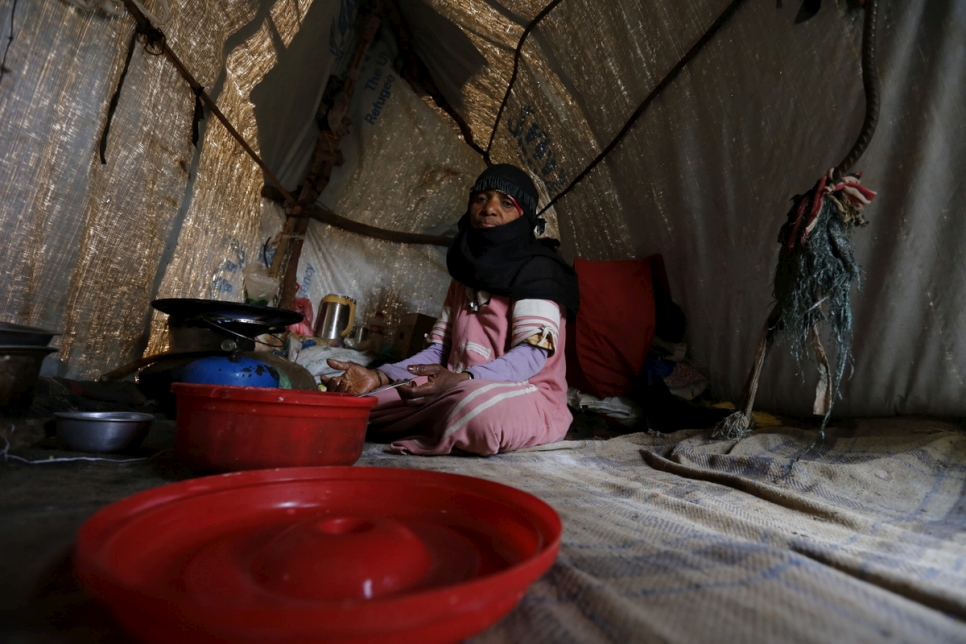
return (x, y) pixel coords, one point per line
(317, 554)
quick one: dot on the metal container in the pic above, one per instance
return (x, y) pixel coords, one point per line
(337, 316)
(359, 337)
(102, 431)
(20, 335)
(19, 369)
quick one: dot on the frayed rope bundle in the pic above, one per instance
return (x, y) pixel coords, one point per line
(816, 269)
(813, 284)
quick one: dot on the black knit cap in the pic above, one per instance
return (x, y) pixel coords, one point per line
(512, 181)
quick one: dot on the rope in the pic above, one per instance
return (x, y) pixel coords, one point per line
(837, 255)
(658, 89)
(870, 83)
(3, 61)
(513, 77)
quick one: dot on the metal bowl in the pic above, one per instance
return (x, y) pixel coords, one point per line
(20, 335)
(102, 431)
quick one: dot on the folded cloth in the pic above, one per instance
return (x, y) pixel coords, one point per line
(617, 408)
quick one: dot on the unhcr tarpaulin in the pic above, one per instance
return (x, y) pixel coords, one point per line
(703, 177)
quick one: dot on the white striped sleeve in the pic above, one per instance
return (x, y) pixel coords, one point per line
(535, 322)
(440, 331)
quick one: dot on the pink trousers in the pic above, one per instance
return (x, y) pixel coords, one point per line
(476, 416)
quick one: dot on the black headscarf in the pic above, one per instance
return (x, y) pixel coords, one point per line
(508, 260)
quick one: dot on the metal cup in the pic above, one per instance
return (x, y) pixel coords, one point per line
(336, 317)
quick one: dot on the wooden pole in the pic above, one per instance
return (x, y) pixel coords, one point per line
(325, 158)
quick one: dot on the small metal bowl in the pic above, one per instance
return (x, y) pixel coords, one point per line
(102, 431)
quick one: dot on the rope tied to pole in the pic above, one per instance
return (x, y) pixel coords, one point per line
(816, 267)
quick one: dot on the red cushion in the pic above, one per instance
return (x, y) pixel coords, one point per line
(615, 324)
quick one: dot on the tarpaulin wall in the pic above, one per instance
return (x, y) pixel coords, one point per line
(405, 170)
(703, 177)
(86, 246)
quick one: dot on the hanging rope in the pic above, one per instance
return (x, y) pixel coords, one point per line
(513, 77)
(6, 49)
(870, 84)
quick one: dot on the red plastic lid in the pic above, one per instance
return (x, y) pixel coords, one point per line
(325, 553)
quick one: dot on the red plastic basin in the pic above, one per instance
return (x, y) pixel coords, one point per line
(225, 429)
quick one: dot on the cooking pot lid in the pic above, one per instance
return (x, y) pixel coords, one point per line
(340, 553)
(245, 319)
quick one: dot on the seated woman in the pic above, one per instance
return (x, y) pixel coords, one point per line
(493, 378)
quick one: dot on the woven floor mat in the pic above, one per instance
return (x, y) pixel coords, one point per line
(861, 537)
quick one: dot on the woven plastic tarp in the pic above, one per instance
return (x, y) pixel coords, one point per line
(88, 246)
(703, 176)
(404, 170)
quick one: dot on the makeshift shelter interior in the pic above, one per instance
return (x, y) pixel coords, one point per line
(117, 195)
(702, 177)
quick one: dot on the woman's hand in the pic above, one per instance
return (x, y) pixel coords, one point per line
(356, 379)
(440, 379)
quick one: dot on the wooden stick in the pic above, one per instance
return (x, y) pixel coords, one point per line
(325, 158)
(765, 339)
(823, 391)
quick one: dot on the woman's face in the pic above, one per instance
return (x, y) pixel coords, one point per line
(491, 209)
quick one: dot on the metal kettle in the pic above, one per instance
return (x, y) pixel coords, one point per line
(337, 316)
